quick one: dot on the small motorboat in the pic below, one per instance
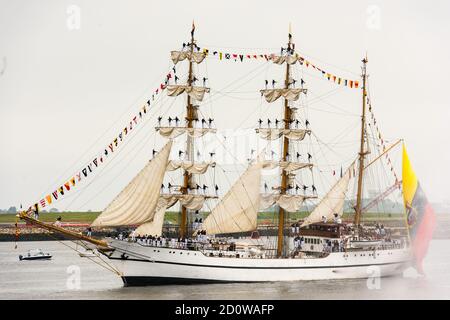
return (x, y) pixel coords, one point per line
(85, 253)
(35, 254)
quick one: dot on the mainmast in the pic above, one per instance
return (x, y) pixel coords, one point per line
(190, 114)
(362, 152)
(285, 151)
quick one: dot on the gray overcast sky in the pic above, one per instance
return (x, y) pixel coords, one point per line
(64, 93)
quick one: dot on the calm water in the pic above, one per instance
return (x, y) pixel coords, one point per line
(48, 279)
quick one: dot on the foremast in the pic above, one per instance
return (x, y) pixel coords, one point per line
(362, 151)
(188, 192)
(187, 177)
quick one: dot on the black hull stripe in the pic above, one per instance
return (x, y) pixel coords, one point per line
(270, 268)
(136, 281)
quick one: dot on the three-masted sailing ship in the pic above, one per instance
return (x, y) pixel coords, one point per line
(324, 246)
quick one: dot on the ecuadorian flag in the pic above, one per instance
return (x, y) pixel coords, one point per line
(420, 215)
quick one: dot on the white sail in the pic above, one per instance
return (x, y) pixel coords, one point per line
(173, 132)
(153, 227)
(189, 166)
(178, 56)
(291, 94)
(286, 165)
(238, 209)
(196, 93)
(289, 202)
(136, 203)
(291, 134)
(333, 202)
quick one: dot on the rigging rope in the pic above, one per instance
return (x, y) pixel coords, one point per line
(105, 264)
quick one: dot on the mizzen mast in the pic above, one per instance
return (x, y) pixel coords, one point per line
(362, 152)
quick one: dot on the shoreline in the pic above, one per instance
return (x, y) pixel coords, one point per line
(30, 233)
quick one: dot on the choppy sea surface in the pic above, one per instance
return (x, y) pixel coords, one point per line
(68, 276)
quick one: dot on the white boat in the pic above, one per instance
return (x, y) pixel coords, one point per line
(87, 253)
(35, 254)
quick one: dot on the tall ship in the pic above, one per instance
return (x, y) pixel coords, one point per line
(225, 243)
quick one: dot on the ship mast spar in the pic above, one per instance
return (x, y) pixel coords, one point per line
(190, 114)
(362, 152)
(284, 174)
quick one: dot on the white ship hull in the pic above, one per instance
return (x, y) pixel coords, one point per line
(144, 265)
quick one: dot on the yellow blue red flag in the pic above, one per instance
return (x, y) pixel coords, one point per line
(420, 214)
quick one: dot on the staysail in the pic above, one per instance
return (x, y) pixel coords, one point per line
(238, 209)
(333, 202)
(155, 225)
(137, 202)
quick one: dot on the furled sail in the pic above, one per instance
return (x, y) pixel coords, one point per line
(286, 165)
(178, 56)
(190, 166)
(173, 132)
(196, 93)
(291, 59)
(273, 134)
(136, 203)
(333, 202)
(238, 209)
(190, 201)
(289, 202)
(291, 94)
